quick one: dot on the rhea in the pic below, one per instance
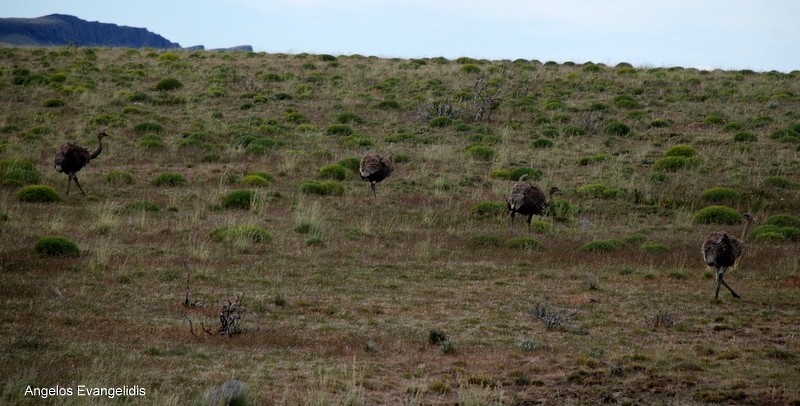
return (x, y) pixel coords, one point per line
(72, 157)
(721, 250)
(527, 199)
(374, 168)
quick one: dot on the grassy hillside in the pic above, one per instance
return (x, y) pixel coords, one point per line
(426, 294)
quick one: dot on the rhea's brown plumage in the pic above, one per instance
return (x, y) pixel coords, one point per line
(72, 157)
(527, 199)
(374, 168)
(721, 250)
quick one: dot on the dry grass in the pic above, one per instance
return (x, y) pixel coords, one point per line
(340, 302)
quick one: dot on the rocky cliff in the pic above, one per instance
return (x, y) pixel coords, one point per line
(59, 29)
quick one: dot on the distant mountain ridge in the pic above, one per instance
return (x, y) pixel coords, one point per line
(60, 29)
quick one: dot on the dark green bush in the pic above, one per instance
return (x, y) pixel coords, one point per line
(349, 118)
(480, 152)
(775, 233)
(142, 205)
(659, 123)
(389, 105)
(717, 215)
(720, 194)
(486, 209)
(357, 141)
(783, 220)
(593, 159)
(52, 103)
(38, 194)
(625, 102)
(55, 246)
(440, 122)
(168, 84)
(785, 134)
(338, 129)
(599, 190)
(658, 177)
(334, 171)
(572, 130)
(732, 126)
(253, 234)
(169, 179)
(542, 143)
(616, 128)
(148, 127)
(470, 68)
(239, 199)
(745, 136)
(321, 188)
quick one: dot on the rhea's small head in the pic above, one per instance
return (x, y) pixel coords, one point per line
(747, 218)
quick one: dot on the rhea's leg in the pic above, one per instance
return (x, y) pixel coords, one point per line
(69, 182)
(529, 223)
(720, 271)
(372, 186)
(75, 176)
(722, 280)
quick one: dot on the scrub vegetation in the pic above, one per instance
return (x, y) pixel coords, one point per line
(228, 188)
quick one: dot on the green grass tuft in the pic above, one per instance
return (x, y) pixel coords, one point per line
(481, 153)
(119, 177)
(334, 172)
(720, 194)
(486, 209)
(523, 242)
(142, 206)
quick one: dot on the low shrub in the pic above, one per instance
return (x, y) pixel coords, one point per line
(599, 190)
(523, 242)
(593, 159)
(744, 136)
(338, 129)
(779, 182)
(562, 210)
(18, 172)
(602, 245)
(53, 103)
(142, 205)
(252, 234)
(480, 153)
(254, 181)
(625, 102)
(516, 173)
(349, 118)
(38, 194)
(783, 220)
(56, 246)
(720, 194)
(616, 128)
(169, 179)
(681, 150)
(119, 177)
(653, 247)
(542, 143)
(486, 209)
(328, 188)
(717, 215)
(351, 163)
(672, 163)
(239, 199)
(168, 84)
(775, 233)
(357, 140)
(440, 122)
(486, 240)
(572, 130)
(148, 127)
(334, 171)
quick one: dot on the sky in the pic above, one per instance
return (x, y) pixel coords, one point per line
(760, 35)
